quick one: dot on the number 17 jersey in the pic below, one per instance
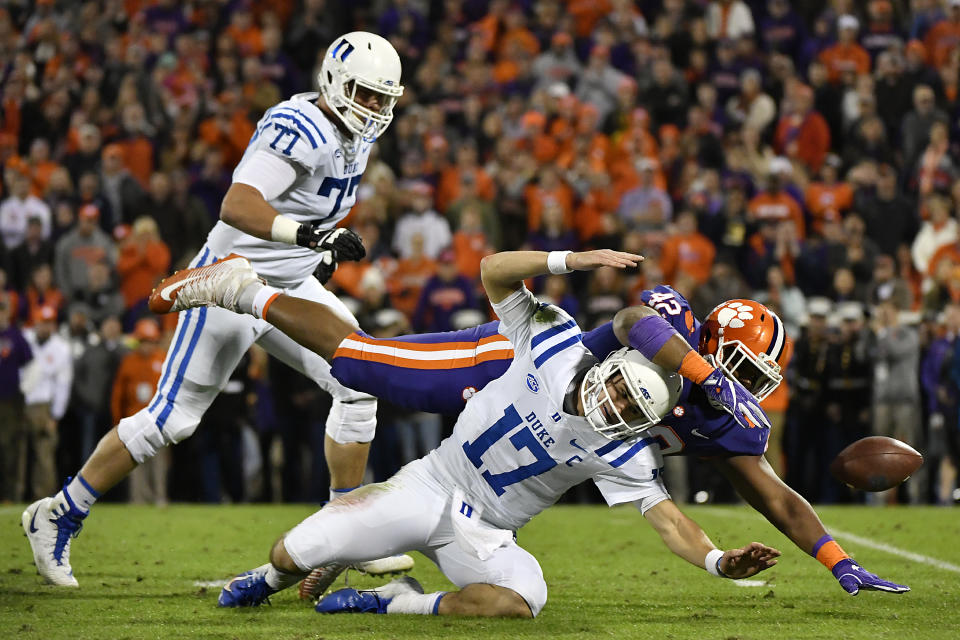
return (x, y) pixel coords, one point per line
(323, 192)
(514, 450)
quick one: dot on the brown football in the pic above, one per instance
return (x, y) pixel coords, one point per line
(876, 463)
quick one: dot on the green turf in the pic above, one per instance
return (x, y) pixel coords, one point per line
(609, 577)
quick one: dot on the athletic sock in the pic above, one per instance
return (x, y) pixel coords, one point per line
(280, 580)
(336, 493)
(425, 604)
(255, 297)
(78, 493)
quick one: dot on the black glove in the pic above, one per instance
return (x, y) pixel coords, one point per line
(328, 264)
(344, 243)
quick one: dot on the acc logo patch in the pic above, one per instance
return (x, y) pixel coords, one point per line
(468, 392)
(678, 411)
(532, 383)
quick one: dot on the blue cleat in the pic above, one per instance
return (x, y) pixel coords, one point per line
(353, 601)
(249, 589)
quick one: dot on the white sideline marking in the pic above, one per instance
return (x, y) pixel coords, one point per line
(867, 542)
(209, 583)
(753, 583)
(909, 555)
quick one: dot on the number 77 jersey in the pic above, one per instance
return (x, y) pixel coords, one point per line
(515, 449)
(325, 189)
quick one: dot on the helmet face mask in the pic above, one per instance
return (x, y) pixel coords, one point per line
(651, 391)
(759, 374)
(358, 65)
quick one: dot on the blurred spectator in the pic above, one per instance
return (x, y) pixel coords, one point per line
(181, 219)
(559, 63)
(752, 108)
(938, 230)
(599, 82)
(552, 232)
(935, 169)
(942, 37)
(784, 299)
(916, 124)
(120, 189)
(729, 19)
(802, 133)
(17, 210)
(604, 296)
(15, 353)
(100, 295)
(77, 251)
(846, 55)
(29, 254)
(45, 383)
(895, 348)
(134, 385)
(443, 294)
(144, 259)
(421, 221)
(887, 285)
(887, 214)
(86, 157)
(646, 207)
(941, 394)
(687, 251)
(470, 243)
(41, 293)
(775, 204)
(411, 273)
(830, 197)
(94, 373)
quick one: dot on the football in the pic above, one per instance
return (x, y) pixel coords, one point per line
(876, 463)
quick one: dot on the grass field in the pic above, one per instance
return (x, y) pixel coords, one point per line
(142, 569)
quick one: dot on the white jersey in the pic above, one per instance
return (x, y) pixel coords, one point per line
(324, 191)
(514, 451)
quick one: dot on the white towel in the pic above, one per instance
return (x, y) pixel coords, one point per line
(473, 535)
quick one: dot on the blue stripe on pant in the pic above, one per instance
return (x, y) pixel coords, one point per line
(182, 331)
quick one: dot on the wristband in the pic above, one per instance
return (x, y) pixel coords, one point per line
(557, 262)
(284, 229)
(712, 563)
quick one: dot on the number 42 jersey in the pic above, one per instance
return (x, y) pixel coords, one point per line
(323, 192)
(514, 450)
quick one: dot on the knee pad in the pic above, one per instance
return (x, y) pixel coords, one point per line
(140, 435)
(353, 421)
(145, 432)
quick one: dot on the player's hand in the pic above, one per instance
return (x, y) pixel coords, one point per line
(589, 260)
(344, 243)
(748, 561)
(324, 270)
(732, 397)
(853, 578)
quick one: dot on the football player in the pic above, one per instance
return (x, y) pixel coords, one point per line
(554, 418)
(740, 340)
(297, 179)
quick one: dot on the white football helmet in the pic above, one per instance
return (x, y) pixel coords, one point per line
(653, 391)
(361, 59)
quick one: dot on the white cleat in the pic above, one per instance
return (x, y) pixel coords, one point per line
(219, 284)
(399, 563)
(403, 584)
(50, 528)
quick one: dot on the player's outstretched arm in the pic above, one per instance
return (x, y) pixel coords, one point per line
(756, 482)
(503, 273)
(685, 538)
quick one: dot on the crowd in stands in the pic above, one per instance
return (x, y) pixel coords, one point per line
(803, 154)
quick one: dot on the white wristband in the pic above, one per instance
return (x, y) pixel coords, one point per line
(284, 229)
(712, 563)
(557, 262)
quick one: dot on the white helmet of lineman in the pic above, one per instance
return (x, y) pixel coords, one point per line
(652, 389)
(361, 59)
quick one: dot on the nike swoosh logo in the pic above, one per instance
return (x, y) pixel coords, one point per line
(167, 290)
(573, 442)
(33, 529)
(697, 433)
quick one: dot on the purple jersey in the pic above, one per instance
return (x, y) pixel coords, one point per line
(439, 372)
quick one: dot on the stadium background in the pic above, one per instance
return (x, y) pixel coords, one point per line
(802, 155)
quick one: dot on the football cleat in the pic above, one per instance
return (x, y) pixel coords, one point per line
(50, 525)
(368, 601)
(391, 565)
(319, 580)
(219, 284)
(352, 601)
(249, 589)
